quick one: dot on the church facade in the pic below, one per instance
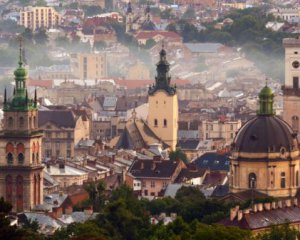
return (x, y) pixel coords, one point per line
(21, 169)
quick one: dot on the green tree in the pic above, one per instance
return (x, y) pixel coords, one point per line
(178, 154)
(280, 232)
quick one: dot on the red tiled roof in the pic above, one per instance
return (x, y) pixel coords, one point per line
(40, 83)
(131, 84)
(151, 34)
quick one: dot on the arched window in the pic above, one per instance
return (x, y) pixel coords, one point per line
(295, 123)
(10, 158)
(37, 157)
(33, 158)
(252, 180)
(30, 122)
(20, 158)
(282, 179)
(9, 148)
(21, 122)
(297, 178)
(9, 187)
(165, 122)
(10, 122)
(20, 152)
(155, 122)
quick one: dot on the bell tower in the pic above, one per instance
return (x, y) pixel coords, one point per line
(291, 88)
(163, 104)
(21, 169)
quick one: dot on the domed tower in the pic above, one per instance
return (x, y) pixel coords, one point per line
(265, 153)
(21, 170)
(163, 104)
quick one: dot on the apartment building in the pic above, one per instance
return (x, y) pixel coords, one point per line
(89, 65)
(39, 18)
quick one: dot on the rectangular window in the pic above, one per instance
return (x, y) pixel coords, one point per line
(282, 180)
(295, 82)
(152, 184)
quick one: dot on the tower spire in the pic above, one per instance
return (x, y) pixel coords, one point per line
(163, 78)
(20, 39)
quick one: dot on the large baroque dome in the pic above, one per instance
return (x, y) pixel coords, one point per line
(265, 154)
(266, 132)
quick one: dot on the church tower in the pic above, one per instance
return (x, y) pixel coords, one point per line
(21, 170)
(291, 90)
(129, 18)
(163, 104)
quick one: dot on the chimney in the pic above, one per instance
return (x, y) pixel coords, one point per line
(61, 193)
(279, 204)
(246, 211)
(240, 215)
(267, 206)
(142, 165)
(295, 202)
(260, 207)
(254, 208)
(274, 206)
(288, 202)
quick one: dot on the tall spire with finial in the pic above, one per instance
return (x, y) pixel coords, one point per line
(20, 100)
(163, 77)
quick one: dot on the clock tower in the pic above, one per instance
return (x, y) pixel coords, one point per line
(291, 88)
(21, 170)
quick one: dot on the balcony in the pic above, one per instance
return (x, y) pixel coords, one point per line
(289, 91)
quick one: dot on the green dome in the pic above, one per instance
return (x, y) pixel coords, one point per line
(266, 101)
(20, 72)
(266, 92)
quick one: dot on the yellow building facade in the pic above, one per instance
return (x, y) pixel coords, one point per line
(163, 105)
(89, 65)
(39, 17)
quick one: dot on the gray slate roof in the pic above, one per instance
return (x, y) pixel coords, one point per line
(61, 118)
